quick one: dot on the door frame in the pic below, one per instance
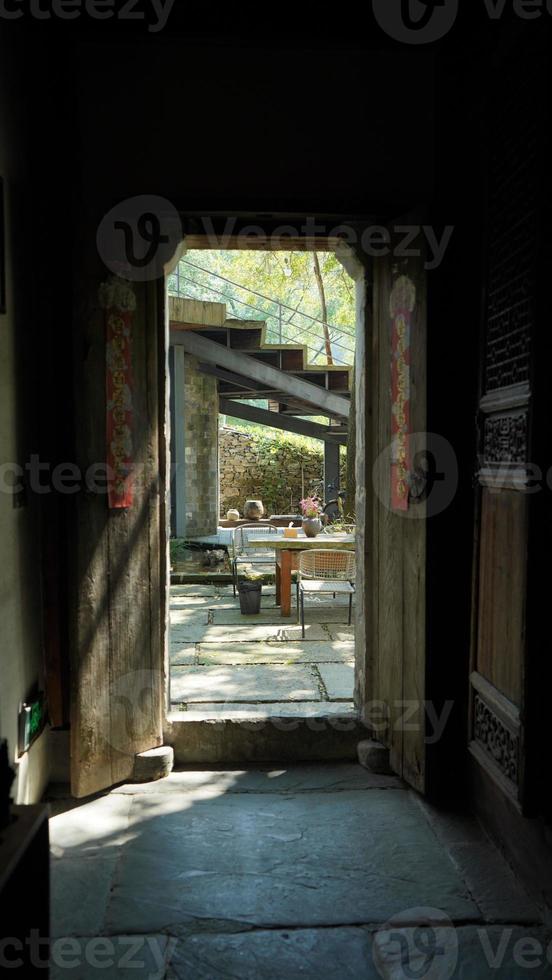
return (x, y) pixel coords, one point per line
(357, 267)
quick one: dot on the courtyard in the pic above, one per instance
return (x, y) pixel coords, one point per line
(225, 664)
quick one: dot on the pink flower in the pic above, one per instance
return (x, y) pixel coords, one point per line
(310, 507)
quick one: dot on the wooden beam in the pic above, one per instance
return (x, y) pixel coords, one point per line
(276, 421)
(206, 350)
(263, 242)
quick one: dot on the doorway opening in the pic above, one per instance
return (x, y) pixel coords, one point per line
(261, 360)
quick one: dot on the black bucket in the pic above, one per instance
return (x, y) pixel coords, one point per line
(250, 597)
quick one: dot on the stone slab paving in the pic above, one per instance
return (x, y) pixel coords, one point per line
(488, 877)
(114, 958)
(314, 613)
(290, 860)
(272, 709)
(320, 871)
(227, 590)
(185, 615)
(257, 653)
(95, 828)
(275, 682)
(195, 601)
(182, 653)
(195, 590)
(80, 888)
(341, 633)
(194, 632)
(319, 777)
(208, 632)
(353, 953)
(269, 602)
(338, 679)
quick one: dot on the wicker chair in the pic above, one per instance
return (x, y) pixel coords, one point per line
(244, 553)
(325, 572)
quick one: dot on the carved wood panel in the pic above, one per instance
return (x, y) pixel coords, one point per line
(501, 744)
(504, 449)
(505, 439)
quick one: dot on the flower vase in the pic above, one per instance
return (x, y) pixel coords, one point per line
(312, 526)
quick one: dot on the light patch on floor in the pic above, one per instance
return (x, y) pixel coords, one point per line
(321, 871)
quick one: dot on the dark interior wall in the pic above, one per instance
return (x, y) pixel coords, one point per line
(240, 126)
(21, 651)
(250, 125)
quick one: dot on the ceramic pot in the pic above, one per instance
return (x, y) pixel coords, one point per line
(233, 515)
(253, 510)
(312, 526)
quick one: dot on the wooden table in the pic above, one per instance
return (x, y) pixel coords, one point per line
(287, 551)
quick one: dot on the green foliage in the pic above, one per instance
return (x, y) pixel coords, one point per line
(275, 474)
(268, 440)
(249, 576)
(178, 549)
(286, 277)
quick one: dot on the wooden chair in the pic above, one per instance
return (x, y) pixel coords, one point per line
(325, 572)
(244, 553)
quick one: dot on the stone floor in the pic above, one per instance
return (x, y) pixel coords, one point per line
(315, 872)
(226, 663)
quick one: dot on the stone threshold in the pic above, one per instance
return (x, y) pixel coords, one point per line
(258, 710)
(228, 736)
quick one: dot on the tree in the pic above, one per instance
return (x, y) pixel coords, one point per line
(290, 297)
(323, 306)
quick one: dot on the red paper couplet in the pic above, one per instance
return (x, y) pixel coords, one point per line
(403, 301)
(119, 406)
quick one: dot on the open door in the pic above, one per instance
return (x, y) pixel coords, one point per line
(391, 385)
(120, 570)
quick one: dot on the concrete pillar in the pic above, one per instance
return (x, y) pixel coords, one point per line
(178, 443)
(331, 470)
(194, 447)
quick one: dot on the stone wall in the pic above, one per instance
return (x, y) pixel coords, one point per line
(265, 468)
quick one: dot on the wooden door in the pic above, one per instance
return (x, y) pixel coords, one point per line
(512, 542)
(117, 705)
(391, 507)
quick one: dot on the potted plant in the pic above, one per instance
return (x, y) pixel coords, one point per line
(250, 586)
(311, 509)
(344, 525)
